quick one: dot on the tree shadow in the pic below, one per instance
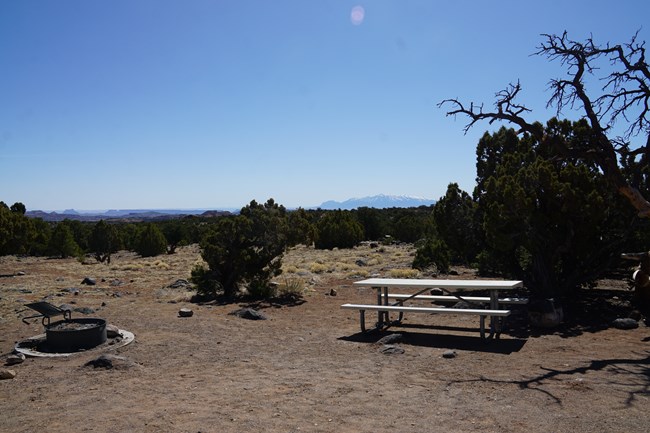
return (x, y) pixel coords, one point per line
(639, 368)
(587, 311)
(244, 302)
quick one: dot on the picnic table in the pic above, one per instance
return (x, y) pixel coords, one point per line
(491, 306)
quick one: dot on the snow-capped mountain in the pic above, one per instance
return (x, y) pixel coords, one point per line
(380, 201)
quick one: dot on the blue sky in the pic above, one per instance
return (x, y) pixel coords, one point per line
(212, 103)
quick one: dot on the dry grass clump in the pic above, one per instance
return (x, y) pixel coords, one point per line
(404, 273)
(358, 273)
(318, 268)
(129, 267)
(291, 287)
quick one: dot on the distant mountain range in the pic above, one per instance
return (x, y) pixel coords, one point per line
(126, 214)
(380, 201)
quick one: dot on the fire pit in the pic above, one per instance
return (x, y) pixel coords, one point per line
(72, 335)
(68, 336)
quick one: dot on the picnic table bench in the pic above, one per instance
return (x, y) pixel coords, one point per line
(484, 306)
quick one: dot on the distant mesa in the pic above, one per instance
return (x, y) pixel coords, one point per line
(380, 201)
(126, 215)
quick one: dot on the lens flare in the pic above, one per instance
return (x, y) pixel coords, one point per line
(357, 15)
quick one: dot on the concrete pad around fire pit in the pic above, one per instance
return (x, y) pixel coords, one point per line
(30, 346)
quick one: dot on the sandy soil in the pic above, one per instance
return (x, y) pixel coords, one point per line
(307, 368)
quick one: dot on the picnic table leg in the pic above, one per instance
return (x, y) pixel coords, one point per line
(494, 305)
(483, 327)
(380, 314)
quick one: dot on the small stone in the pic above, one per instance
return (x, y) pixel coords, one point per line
(332, 292)
(390, 339)
(185, 312)
(72, 290)
(361, 263)
(437, 292)
(17, 358)
(390, 349)
(20, 273)
(7, 374)
(625, 323)
(449, 354)
(635, 315)
(66, 307)
(112, 331)
(84, 310)
(248, 313)
(180, 284)
(111, 361)
(88, 281)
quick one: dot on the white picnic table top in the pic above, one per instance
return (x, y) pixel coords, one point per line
(443, 284)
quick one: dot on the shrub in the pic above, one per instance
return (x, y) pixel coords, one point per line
(432, 252)
(104, 241)
(338, 229)
(244, 249)
(62, 243)
(151, 241)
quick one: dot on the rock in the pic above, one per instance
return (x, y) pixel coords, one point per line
(625, 323)
(636, 315)
(374, 245)
(361, 263)
(179, 284)
(390, 339)
(66, 307)
(72, 290)
(110, 361)
(7, 374)
(332, 292)
(185, 312)
(89, 281)
(112, 331)
(462, 305)
(437, 292)
(116, 283)
(14, 359)
(453, 272)
(390, 349)
(248, 313)
(545, 314)
(84, 310)
(20, 273)
(449, 354)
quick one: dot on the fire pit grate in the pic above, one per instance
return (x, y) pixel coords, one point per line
(47, 311)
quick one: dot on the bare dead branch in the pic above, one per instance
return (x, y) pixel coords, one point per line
(625, 96)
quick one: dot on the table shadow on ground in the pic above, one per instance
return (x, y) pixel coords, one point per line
(411, 337)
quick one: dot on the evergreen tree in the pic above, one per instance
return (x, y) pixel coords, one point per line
(244, 249)
(338, 229)
(555, 223)
(104, 241)
(62, 243)
(151, 241)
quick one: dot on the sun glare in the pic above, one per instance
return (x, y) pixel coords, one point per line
(357, 14)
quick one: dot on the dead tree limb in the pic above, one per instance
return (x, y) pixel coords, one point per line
(625, 96)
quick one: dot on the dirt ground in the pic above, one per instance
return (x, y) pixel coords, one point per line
(308, 368)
